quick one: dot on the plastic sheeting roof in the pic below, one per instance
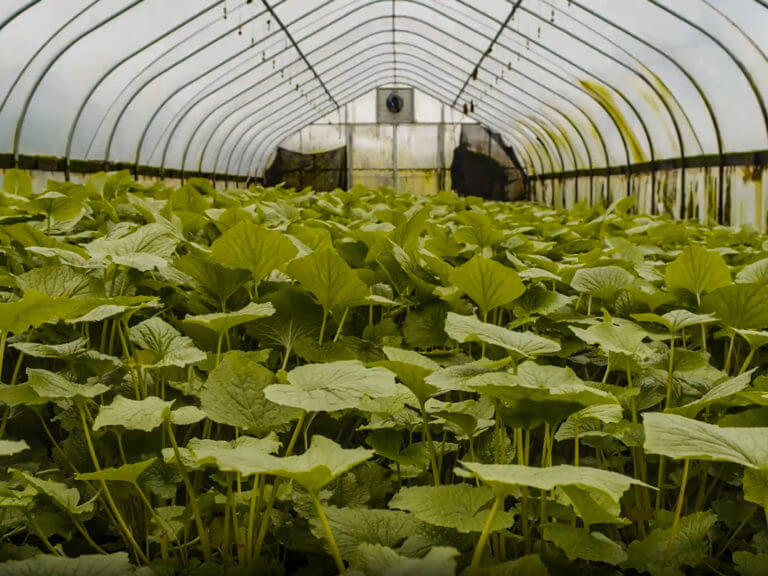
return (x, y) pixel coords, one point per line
(214, 86)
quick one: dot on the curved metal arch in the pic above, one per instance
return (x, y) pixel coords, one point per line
(658, 94)
(610, 85)
(369, 48)
(427, 23)
(290, 120)
(264, 147)
(292, 125)
(115, 66)
(614, 89)
(188, 83)
(488, 121)
(561, 78)
(378, 78)
(742, 67)
(500, 43)
(642, 77)
(40, 49)
(760, 102)
(691, 78)
(490, 56)
(22, 117)
(557, 110)
(539, 132)
(181, 60)
(18, 12)
(212, 82)
(279, 98)
(420, 71)
(315, 31)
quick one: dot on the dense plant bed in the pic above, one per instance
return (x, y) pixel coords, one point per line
(270, 381)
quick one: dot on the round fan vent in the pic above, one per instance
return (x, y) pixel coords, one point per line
(395, 103)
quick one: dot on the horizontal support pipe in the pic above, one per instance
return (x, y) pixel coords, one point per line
(757, 158)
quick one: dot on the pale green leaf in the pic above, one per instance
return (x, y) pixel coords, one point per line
(581, 544)
(740, 306)
(220, 322)
(676, 320)
(146, 414)
(59, 282)
(330, 280)
(147, 248)
(752, 273)
(66, 497)
(11, 447)
(332, 386)
(233, 394)
(125, 473)
(318, 466)
(616, 336)
(463, 507)
(602, 282)
(116, 564)
(470, 329)
(505, 477)
(488, 283)
(165, 345)
(698, 271)
(51, 386)
(379, 560)
(246, 455)
(251, 247)
(679, 437)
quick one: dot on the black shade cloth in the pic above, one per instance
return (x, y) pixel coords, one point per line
(484, 166)
(322, 171)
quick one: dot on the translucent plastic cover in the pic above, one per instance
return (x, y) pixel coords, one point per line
(214, 86)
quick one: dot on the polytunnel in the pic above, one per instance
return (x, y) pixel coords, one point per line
(383, 287)
(658, 99)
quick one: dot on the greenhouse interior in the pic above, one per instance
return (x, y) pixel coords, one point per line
(383, 287)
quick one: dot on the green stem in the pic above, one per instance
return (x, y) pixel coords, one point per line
(86, 535)
(730, 353)
(191, 494)
(322, 327)
(521, 460)
(670, 371)
(747, 361)
(736, 532)
(218, 349)
(660, 483)
(3, 340)
(430, 445)
(152, 512)
(239, 543)
(265, 519)
(478, 553)
(107, 494)
(678, 512)
(39, 533)
(328, 534)
(255, 506)
(576, 440)
(286, 356)
(341, 325)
